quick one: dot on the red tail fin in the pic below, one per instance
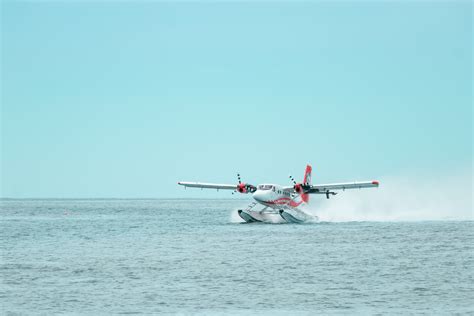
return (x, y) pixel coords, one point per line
(306, 181)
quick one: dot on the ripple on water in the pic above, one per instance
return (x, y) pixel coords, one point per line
(124, 256)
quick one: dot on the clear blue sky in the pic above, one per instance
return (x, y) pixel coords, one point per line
(103, 99)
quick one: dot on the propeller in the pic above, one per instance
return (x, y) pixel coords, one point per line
(240, 182)
(244, 187)
(298, 187)
(292, 179)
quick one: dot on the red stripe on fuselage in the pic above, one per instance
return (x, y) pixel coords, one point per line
(279, 201)
(283, 201)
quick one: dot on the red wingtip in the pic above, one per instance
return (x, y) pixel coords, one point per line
(375, 182)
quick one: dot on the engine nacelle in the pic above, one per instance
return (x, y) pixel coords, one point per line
(245, 188)
(241, 188)
(301, 188)
(298, 188)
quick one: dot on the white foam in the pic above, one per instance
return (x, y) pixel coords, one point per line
(401, 198)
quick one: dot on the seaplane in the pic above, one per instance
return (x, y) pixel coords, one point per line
(282, 202)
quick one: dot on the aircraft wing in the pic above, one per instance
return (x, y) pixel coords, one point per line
(208, 185)
(323, 188)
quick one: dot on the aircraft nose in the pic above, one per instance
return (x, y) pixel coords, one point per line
(257, 195)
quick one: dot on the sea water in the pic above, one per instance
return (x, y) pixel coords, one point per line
(195, 257)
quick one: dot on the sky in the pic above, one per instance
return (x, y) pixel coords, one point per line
(124, 99)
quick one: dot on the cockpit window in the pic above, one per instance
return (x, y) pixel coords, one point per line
(265, 187)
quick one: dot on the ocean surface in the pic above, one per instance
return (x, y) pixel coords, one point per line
(194, 257)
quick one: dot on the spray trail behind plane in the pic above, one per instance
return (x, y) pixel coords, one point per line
(403, 198)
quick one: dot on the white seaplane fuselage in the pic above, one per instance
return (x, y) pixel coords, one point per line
(280, 206)
(274, 196)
